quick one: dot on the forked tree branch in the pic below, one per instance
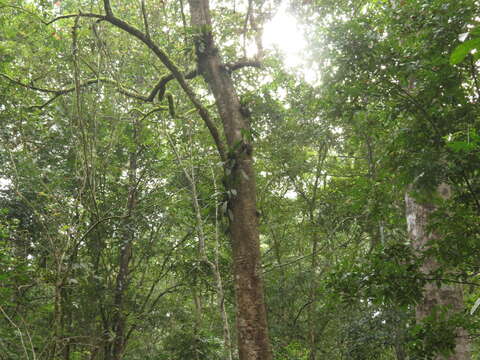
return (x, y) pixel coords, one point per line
(167, 62)
(160, 88)
(108, 8)
(145, 19)
(80, 14)
(173, 68)
(58, 92)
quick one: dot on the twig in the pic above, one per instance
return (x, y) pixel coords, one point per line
(25, 11)
(145, 20)
(80, 14)
(18, 330)
(245, 24)
(301, 310)
(173, 68)
(154, 303)
(160, 88)
(184, 22)
(58, 92)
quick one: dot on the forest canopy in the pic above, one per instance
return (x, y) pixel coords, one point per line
(239, 179)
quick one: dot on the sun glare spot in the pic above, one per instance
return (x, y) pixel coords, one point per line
(283, 32)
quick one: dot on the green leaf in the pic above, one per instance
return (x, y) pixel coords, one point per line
(475, 31)
(458, 146)
(462, 50)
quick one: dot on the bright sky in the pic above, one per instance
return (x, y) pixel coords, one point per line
(283, 33)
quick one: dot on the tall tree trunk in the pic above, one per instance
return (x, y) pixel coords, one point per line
(119, 320)
(418, 215)
(126, 248)
(253, 340)
(312, 323)
(57, 316)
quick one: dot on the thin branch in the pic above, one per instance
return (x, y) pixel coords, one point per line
(58, 92)
(162, 271)
(83, 237)
(471, 190)
(80, 14)
(45, 104)
(160, 88)
(203, 112)
(184, 22)
(18, 331)
(144, 116)
(98, 222)
(304, 306)
(23, 10)
(294, 261)
(173, 68)
(145, 20)
(30, 86)
(245, 24)
(169, 290)
(419, 107)
(474, 75)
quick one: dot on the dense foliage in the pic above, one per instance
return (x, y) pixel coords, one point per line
(115, 205)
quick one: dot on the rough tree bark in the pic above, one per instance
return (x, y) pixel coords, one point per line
(418, 214)
(252, 333)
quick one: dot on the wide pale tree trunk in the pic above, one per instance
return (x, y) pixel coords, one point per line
(451, 296)
(252, 334)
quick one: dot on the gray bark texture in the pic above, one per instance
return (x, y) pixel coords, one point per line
(418, 215)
